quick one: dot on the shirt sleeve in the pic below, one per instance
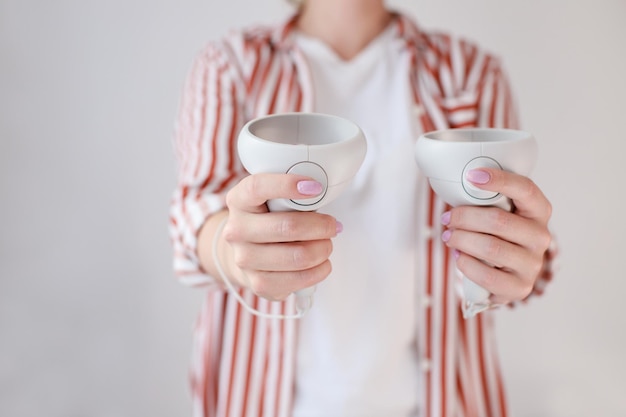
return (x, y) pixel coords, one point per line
(209, 119)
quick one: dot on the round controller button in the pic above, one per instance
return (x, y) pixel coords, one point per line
(471, 189)
(310, 169)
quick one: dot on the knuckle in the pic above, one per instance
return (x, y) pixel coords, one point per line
(500, 218)
(301, 256)
(490, 277)
(458, 216)
(287, 227)
(304, 276)
(542, 242)
(250, 189)
(248, 185)
(548, 210)
(494, 248)
(241, 259)
(256, 283)
(535, 270)
(231, 233)
(252, 185)
(530, 189)
(262, 287)
(230, 197)
(525, 290)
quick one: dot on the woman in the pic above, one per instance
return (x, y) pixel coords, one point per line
(385, 336)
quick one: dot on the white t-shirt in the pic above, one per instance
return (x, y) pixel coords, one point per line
(357, 349)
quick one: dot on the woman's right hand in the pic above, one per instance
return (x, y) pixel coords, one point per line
(275, 253)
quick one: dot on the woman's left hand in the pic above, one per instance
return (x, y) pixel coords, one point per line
(512, 243)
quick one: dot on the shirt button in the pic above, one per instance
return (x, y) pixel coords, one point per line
(426, 301)
(418, 110)
(428, 233)
(425, 365)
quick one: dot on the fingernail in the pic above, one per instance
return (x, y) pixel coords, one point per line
(339, 227)
(456, 253)
(307, 187)
(445, 236)
(478, 176)
(445, 218)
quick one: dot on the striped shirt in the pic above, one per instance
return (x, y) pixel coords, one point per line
(243, 365)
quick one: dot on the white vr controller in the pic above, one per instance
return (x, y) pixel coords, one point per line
(327, 148)
(446, 156)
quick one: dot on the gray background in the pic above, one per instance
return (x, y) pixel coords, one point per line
(92, 323)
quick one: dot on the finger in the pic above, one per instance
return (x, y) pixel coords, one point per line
(497, 222)
(492, 250)
(503, 285)
(282, 257)
(281, 227)
(276, 286)
(252, 192)
(528, 199)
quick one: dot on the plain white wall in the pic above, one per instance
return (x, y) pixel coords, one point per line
(92, 322)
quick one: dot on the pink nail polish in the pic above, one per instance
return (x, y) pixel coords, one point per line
(445, 236)
(478, 176)
(445, 218)
(309, 187)
(456, 253)
(339, 227)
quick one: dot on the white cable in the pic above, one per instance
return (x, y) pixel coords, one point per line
(301, 308)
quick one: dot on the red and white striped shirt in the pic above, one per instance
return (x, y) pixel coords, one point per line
(244, 365)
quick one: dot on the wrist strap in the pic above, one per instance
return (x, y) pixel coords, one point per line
(301, 308)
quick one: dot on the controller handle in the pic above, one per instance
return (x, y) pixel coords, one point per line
(446, 156)
(327, 148)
